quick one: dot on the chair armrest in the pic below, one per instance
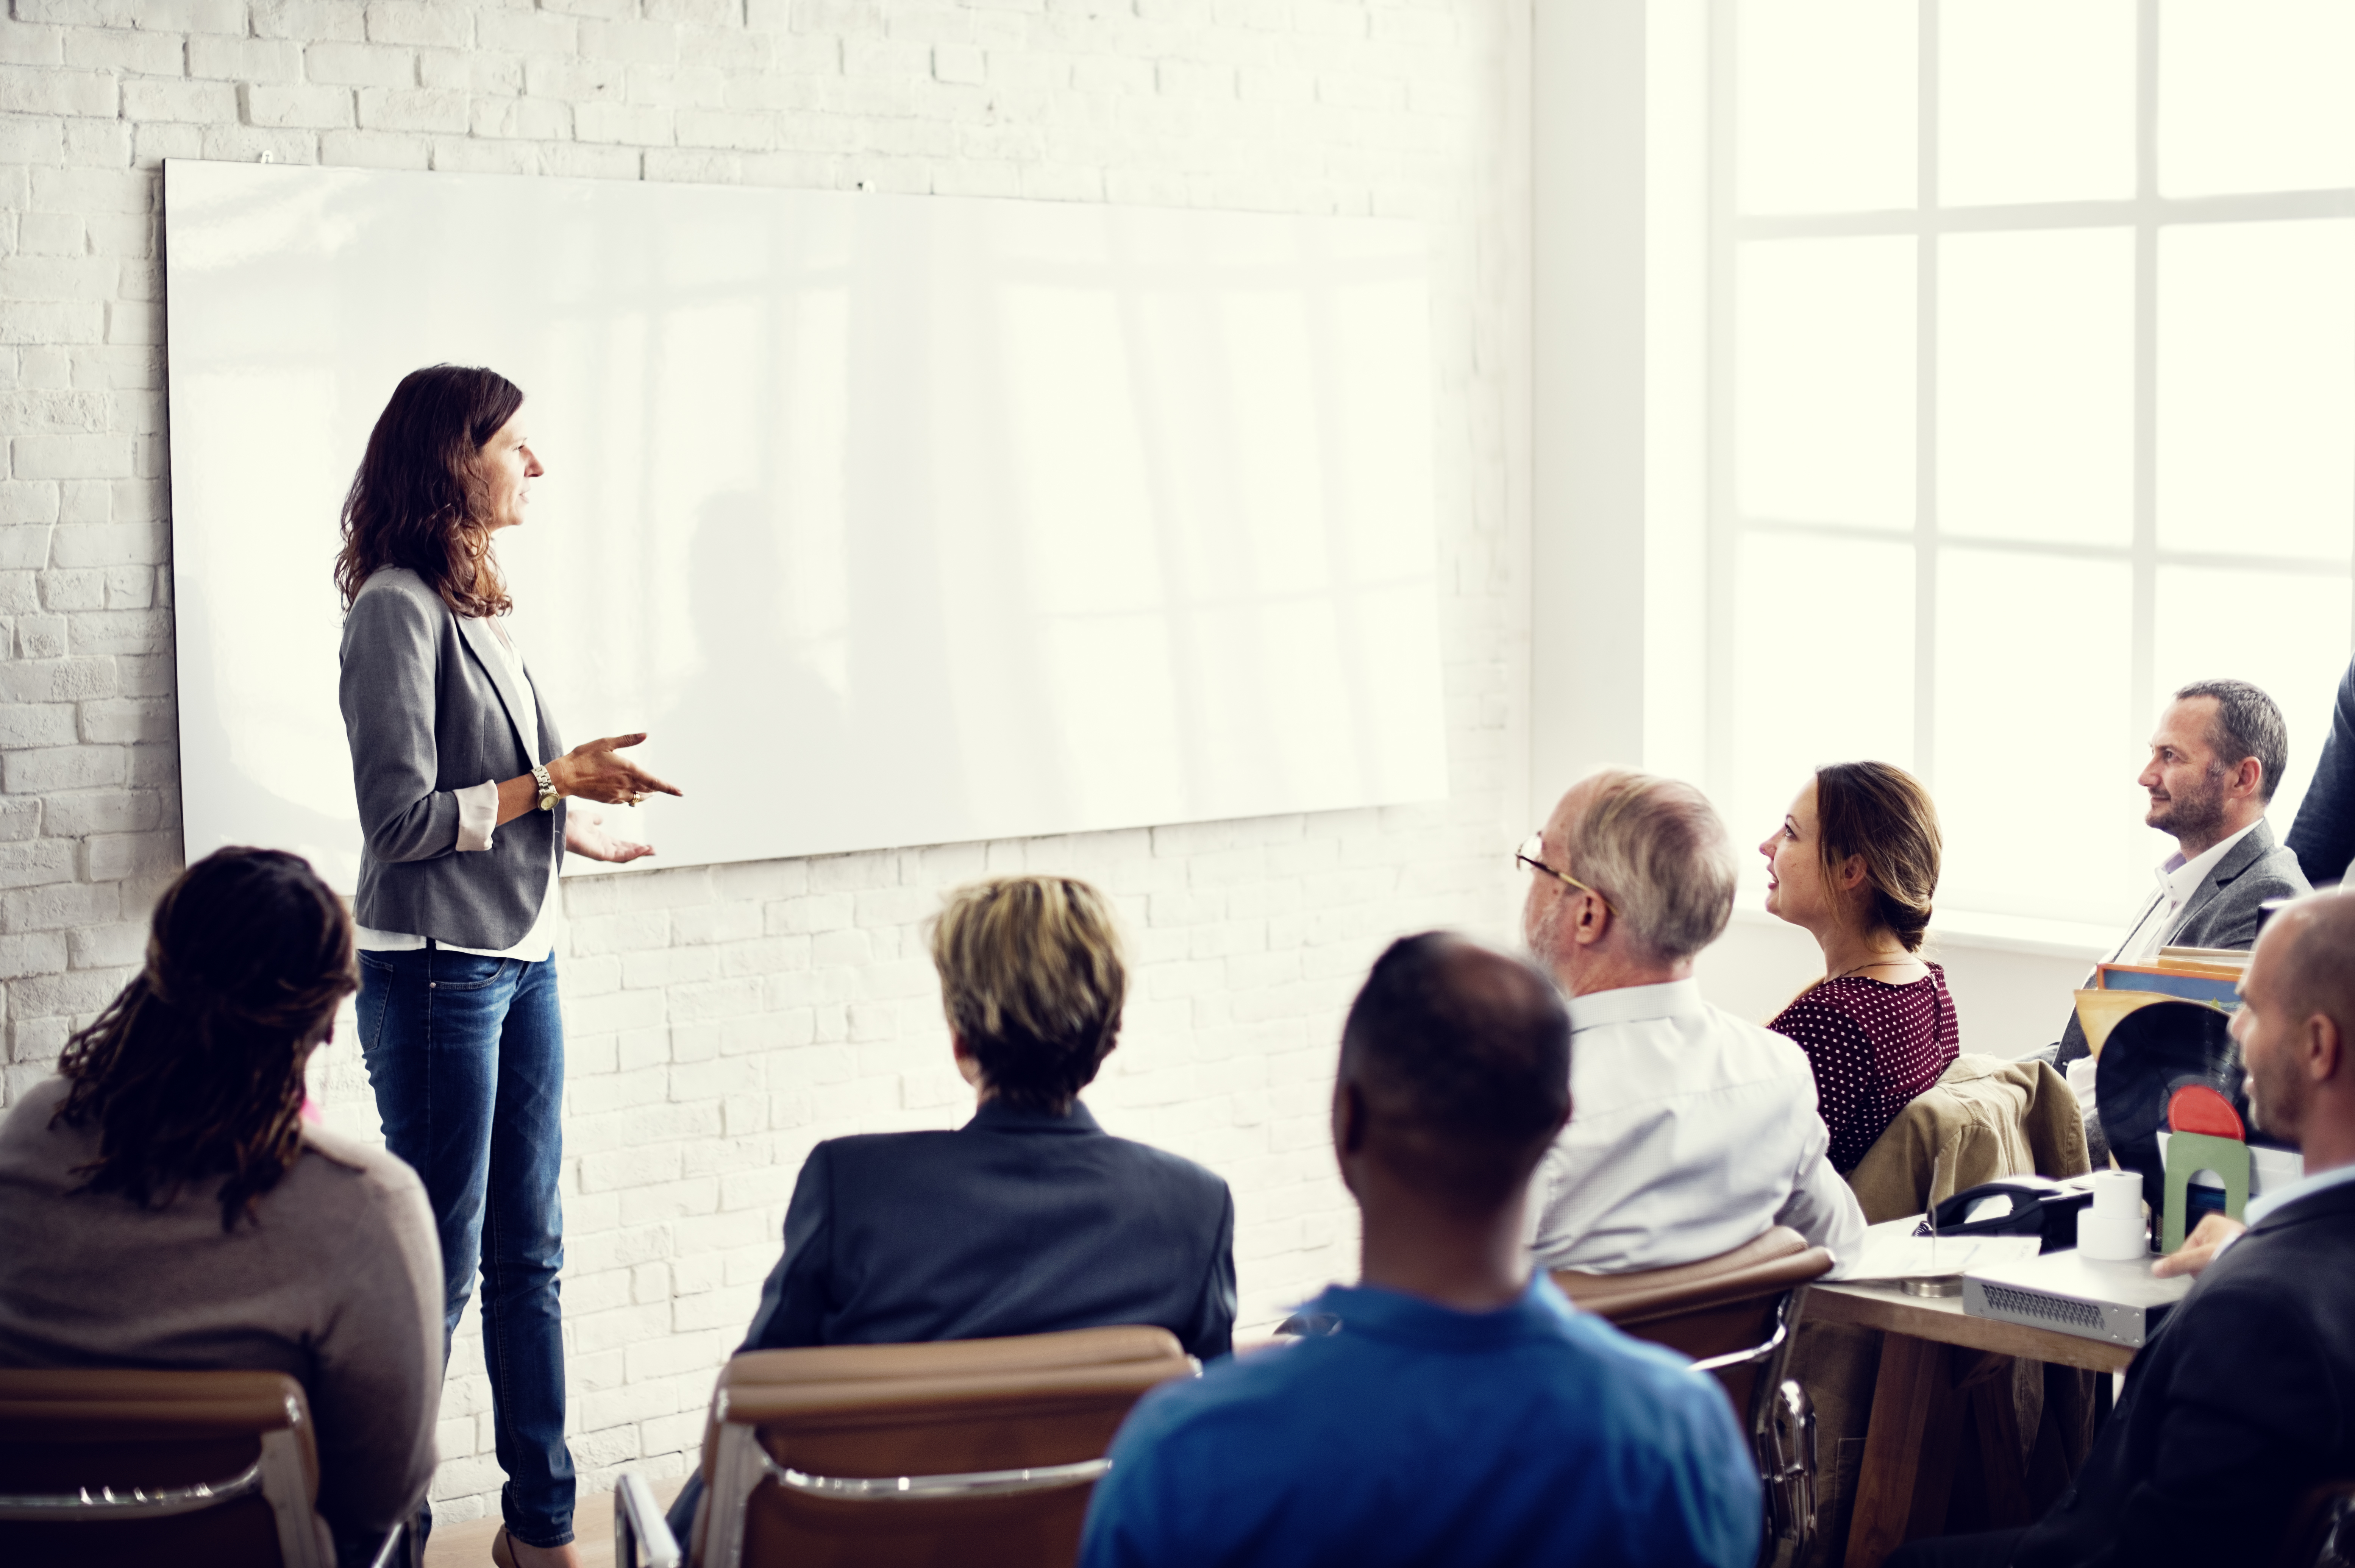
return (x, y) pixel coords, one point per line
(642, 1537)
(394, 1552)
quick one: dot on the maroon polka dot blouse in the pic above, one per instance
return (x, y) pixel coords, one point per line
(1874, 1046)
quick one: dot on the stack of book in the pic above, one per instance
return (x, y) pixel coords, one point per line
(2196, 974)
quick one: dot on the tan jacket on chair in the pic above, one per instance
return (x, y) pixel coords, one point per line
(1984, 1120)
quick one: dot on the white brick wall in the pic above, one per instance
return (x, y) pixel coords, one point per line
(722, 1020)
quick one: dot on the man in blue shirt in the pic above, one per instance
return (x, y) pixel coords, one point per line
(1461, 1411)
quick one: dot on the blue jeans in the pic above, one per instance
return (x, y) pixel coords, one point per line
(467, 1056)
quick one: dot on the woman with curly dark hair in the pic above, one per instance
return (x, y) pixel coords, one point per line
(164, 1203)
(461, 784)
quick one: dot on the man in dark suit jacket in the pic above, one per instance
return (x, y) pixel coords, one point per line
(2215, 760)
(1030, 1218)
(2245, 1398)
(2323, 837)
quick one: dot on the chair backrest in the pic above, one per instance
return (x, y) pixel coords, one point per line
(973, 1451)
(1735, 1309)
(101, 1466)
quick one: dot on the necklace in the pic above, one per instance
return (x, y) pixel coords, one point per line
(1875, 964)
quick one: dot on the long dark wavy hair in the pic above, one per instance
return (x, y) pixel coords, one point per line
(195, 1069)
(418, 498)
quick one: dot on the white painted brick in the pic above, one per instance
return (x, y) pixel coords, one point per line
(117, 49)
(319, 108)
(411, 108)
(359, 65)
(197, 101)
(269, 59)
(421, 22)
(48, 90)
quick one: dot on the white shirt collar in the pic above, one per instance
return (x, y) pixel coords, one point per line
(2180, 878)
(2307, 1187)
(1634, 1004)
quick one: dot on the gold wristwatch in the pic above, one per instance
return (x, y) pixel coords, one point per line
(548, 795)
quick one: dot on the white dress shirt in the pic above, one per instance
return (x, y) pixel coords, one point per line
(2179, 879)
(478, 817)
(1692, 1132)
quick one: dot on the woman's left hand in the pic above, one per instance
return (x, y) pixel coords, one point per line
(585, 833)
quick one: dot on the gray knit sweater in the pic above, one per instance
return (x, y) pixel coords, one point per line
(338, 1285)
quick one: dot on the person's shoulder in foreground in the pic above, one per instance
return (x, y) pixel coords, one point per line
(1461, 1412)
(1417, 1434)
(2244, 1400)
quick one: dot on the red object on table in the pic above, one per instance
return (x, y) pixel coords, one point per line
(2196, 1107)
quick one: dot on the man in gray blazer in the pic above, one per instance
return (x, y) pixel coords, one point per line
(2219, 752)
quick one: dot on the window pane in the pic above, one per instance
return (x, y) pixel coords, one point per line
(1824, 380)
(2035, 101)
(2036, 763)
(1826, 667)
(2036, 385)
(1826, 94)
(2205, 621)
(2253, 95)
(2256, 388)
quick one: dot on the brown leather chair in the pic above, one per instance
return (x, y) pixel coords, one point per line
(1735, 1315)
(977, 1452)
(106, 1467)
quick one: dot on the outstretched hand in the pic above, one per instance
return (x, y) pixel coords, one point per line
(585, 833)
(2200, 1248)
(595, 771)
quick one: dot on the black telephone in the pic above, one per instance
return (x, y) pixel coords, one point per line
(2038, 1206)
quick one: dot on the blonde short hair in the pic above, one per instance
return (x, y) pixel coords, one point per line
(1033, 982)
(1655, 848)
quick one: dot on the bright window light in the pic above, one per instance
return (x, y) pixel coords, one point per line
(2033, 399)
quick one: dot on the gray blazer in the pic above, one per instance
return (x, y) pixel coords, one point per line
(429, 709)
(2221, 911)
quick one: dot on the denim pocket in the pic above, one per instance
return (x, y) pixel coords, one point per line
(446, 970)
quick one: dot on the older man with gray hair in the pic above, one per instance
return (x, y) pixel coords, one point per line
(1694, 1131)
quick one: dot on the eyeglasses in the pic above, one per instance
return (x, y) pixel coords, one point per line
(1532, 854)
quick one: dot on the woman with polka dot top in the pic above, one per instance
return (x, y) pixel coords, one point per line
(1856, 861)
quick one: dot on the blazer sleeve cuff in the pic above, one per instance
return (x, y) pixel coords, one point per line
(478, 814)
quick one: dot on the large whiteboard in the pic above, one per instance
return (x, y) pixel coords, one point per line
(896, 520)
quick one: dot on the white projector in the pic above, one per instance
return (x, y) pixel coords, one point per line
(2070, 1294)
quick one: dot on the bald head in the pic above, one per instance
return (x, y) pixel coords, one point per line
(1460, 1056)
(2297, 1016)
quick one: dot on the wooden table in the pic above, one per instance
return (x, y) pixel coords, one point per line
(1927, 1372)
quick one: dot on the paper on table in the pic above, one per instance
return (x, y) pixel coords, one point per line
(1891, 1251)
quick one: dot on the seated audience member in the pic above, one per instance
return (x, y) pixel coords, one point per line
(1696, 1131)
(1463, 1413)
(2215, 759)
(2241, 1401)
(1030, 1218)
(2323, 836)
(1855, 862)
(163, 1203)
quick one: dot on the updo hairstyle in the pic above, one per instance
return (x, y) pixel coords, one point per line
(1882, 814)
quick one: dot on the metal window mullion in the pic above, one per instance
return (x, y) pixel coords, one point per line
(1722, 542)
(1926, 397)
(2143, 659)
